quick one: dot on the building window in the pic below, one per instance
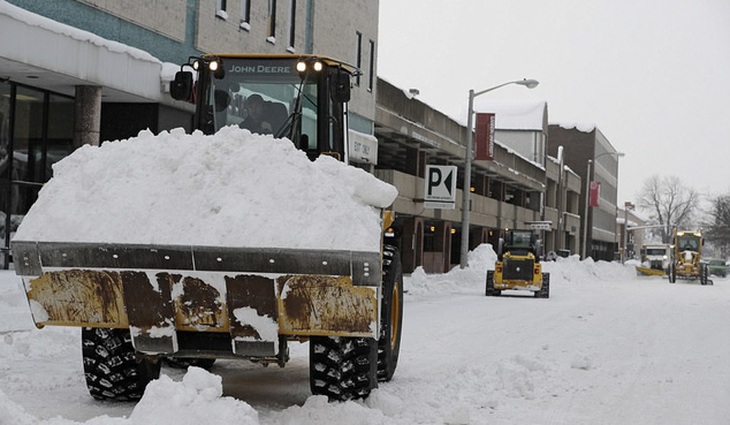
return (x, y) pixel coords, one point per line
(246, 14)
(292, 23)
(358, 56)
(371, 75)
(272, 22)
(36, 131)
(220, 9)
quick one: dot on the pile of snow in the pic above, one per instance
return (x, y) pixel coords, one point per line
(474, 277)
(575, 270)
(232, 189)
(457, 280)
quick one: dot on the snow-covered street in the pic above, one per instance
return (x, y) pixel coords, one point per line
(607, 347)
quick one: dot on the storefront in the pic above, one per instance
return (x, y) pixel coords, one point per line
(36, 130)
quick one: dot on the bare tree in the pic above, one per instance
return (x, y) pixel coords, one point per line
(718, 226)
(669, 202)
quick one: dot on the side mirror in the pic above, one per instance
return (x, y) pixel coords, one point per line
(181, 87)
(341, 87)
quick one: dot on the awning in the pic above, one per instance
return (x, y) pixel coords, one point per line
(57, 57)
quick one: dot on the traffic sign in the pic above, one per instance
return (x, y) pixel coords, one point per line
(440, 189)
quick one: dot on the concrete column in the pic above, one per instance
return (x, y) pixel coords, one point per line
(412, 243)
(87, 122)
(442, 244)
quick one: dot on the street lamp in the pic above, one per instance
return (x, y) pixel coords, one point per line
(587, 192)
(530, 84)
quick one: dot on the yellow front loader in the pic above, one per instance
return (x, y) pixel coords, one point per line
(518, 266)
(138, 304)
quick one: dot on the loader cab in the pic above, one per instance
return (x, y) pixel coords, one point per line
(302, 98)
(686, 241)
(519, 243)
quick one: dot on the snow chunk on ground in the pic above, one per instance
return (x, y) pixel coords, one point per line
(195, 400)
(317, 410)
(231, 189)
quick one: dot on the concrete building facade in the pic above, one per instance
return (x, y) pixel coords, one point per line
(583, 143)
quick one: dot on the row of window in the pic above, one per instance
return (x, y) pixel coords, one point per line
(222, 12)
(359, 55)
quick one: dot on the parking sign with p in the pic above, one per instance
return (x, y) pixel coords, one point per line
(440, 189)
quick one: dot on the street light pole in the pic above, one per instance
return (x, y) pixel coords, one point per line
(466, 198)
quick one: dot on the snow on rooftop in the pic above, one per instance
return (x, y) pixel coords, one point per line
(35, 20)
(585, 127)
(231, 189)
(514, 114)
(513, 152)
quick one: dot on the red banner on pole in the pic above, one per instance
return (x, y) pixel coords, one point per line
(595, 196)
(484, 137)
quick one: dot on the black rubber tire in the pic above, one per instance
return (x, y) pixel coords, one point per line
(111, 366)
(672, 273)
(490, 291)
(343, 368)
(391, 316)
(703, 274)
(544, 292)
(186, 362)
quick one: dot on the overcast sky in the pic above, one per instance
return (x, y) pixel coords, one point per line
(653, 75)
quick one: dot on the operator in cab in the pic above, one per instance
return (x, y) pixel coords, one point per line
(255, 118)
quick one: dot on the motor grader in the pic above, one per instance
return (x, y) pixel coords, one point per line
(138, 304)
(518, 266)
(686, 259)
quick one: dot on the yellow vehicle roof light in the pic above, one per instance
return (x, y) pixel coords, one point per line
(301, 66)
(213, 65)
(318, 66)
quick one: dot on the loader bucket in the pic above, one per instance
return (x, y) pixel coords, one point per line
(254, 294)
